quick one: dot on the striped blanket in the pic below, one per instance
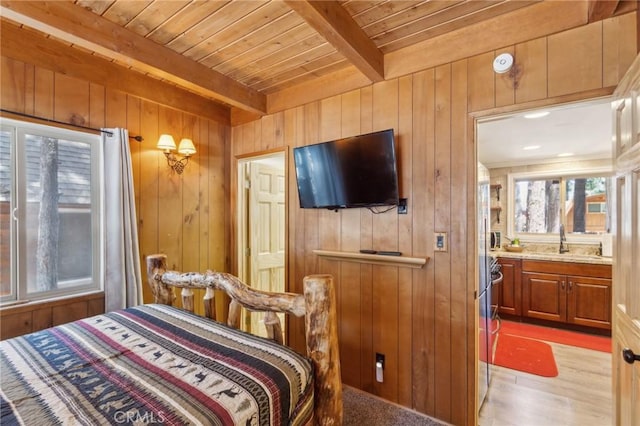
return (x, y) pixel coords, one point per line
(151, 364)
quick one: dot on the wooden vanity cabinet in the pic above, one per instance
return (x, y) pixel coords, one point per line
(508, 294)
(574, 293)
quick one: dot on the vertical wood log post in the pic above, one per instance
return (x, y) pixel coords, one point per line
(321, 325)
(210, 303)
(187, 299)
(233, 320)
(156, 266)
(273, 326)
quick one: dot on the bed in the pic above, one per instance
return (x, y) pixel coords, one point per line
(157, 364)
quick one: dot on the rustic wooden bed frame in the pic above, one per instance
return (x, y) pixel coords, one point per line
(317, 305)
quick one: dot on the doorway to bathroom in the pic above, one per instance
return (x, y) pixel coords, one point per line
(261, 218)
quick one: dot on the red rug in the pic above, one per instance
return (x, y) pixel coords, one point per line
(555, 335)
(528, 355)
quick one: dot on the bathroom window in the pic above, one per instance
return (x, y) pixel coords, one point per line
(542, 204)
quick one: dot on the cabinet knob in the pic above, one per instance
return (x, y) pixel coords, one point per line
(629, 356)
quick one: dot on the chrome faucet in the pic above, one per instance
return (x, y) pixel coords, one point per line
(563, 239)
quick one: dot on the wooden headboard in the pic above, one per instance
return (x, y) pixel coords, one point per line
(317, 304)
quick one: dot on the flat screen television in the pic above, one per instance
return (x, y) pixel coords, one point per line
(358, 171)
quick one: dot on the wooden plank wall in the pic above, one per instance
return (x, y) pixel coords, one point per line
(23, 319)
(423, 320)
(184, 216)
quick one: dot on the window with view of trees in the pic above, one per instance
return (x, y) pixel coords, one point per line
(50, 211)
(542, 205)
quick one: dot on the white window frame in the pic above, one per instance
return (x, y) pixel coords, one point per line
(18, 207)
(552, 173)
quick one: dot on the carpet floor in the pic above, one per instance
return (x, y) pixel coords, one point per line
(364, 408)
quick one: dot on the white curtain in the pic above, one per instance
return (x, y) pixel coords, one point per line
(122, 278)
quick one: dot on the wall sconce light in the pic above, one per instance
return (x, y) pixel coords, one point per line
(185, 149)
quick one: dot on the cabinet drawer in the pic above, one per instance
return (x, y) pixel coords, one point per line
(567, 268)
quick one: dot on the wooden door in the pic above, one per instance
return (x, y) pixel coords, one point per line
(589, 301)
(544, 296)
(626, 251)
(267, 234)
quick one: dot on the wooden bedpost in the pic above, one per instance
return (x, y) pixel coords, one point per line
(321, 326)
(156, 266)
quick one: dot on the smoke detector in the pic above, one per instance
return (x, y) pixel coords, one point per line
(503, 63)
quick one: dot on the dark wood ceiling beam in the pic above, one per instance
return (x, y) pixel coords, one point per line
(77, 25)
(34, 48)
(335, 24)
(602, 9)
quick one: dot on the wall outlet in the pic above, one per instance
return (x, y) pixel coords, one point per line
(379, 367)
(440, 241)
(402, 206)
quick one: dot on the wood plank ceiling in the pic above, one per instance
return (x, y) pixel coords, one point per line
(239, 52)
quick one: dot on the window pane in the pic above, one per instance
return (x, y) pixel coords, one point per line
(586, 205)
(596, 207)
(75, 262)
(5, 215)
(537, 206)
(58, 217)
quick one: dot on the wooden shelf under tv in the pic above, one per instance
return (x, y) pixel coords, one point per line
(376, 259)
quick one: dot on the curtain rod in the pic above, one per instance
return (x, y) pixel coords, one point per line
(49, 120)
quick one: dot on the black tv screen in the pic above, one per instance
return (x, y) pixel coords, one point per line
(358, 171)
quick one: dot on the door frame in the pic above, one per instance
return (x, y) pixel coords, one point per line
(472, 122)
(240, 212)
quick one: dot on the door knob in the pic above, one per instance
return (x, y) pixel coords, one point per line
(629, 356)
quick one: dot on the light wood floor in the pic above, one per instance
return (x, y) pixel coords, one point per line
(579, 396)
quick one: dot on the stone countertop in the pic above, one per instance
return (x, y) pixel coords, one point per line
(554, 257)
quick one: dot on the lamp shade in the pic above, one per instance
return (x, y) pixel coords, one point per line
(166, 142)
(186, 147)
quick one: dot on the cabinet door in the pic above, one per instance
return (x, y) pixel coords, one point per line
(509, 292)
(589, 301)
(544, 296)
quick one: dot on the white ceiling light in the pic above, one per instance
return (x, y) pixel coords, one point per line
(503, 63)
(538, 114)
(565, 154)
(531, 147)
